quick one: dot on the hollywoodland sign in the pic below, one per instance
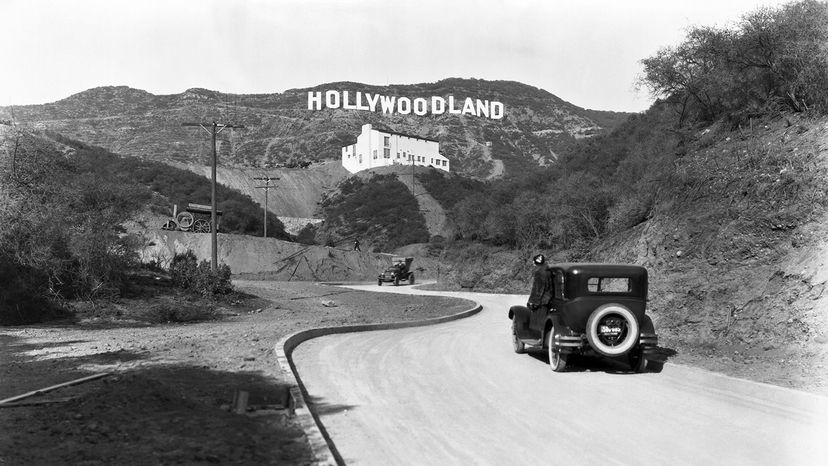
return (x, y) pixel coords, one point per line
(435, 105)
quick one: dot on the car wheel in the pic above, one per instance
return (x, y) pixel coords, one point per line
(648, 327)
(557, 360)
(612, 330)
(637, 362)
(655, 366)
(517, 343)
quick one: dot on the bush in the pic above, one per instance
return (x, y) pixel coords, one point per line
(187, 273)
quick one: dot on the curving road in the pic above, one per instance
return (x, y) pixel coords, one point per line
(456, 393)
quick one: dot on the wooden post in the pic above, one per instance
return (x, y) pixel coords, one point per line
(266, 187)
(215, 128)
(240, 398)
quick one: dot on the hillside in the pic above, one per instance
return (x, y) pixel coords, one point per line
(279, 129)
(737, 251)
(733, 235)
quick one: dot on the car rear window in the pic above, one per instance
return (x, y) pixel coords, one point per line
(608, 285)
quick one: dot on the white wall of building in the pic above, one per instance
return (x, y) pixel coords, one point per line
(376, 148)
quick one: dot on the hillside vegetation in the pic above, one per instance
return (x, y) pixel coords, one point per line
(64, 204)
(610, 183)
(239, 213)
(379, 211)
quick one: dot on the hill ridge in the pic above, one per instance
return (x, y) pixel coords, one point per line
(280, 129)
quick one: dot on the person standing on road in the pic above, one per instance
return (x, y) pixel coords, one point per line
(541, 293)
(356, 244)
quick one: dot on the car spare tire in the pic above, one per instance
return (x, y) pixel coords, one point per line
(612, 330)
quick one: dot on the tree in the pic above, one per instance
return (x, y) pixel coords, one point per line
(771, 58)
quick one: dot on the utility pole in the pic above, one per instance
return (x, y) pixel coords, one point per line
(213, 129)
(412, 175)
(266, 187)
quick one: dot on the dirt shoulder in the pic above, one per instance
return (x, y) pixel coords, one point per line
(171, 386)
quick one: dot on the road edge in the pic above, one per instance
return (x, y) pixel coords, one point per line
(323, 449)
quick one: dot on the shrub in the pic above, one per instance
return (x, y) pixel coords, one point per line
(183, 269)
(161, 313)
(187, 273)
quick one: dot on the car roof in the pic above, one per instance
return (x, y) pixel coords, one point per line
(591, 268)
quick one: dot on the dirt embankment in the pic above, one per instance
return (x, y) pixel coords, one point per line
(273, 259)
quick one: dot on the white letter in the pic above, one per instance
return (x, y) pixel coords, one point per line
(330, 102)
(468, 107)
(372, 101)
(497, 110)
(406, 108)
(387, 104)
(314, 98)
(438, 102)
(483, 108)
(451, 106)
(359, 105)
(420, 106)
(345, 104)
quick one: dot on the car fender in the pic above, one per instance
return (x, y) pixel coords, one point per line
(554, 320)
(520, 315)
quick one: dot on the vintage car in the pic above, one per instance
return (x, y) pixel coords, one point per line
(595, 309)
(400, 270)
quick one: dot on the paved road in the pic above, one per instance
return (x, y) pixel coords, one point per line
(456, 394)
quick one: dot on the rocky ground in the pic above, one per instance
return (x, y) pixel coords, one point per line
(168, 395)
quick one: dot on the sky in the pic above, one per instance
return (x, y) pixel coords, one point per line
(586, 52)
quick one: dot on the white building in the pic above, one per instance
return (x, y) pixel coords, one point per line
(376, 148)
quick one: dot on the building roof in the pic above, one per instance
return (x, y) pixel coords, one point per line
(388, 131)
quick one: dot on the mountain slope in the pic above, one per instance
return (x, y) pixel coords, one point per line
(279, 128)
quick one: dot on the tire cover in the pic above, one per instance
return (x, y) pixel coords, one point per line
(624, 345)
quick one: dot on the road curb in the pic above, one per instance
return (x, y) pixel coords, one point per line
(324, 451)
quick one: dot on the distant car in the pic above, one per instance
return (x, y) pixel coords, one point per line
(400, 270)
(596, 309)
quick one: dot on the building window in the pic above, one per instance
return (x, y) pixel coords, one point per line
(387, 141)
(398, 155)
(386, 153)
(375, 153)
